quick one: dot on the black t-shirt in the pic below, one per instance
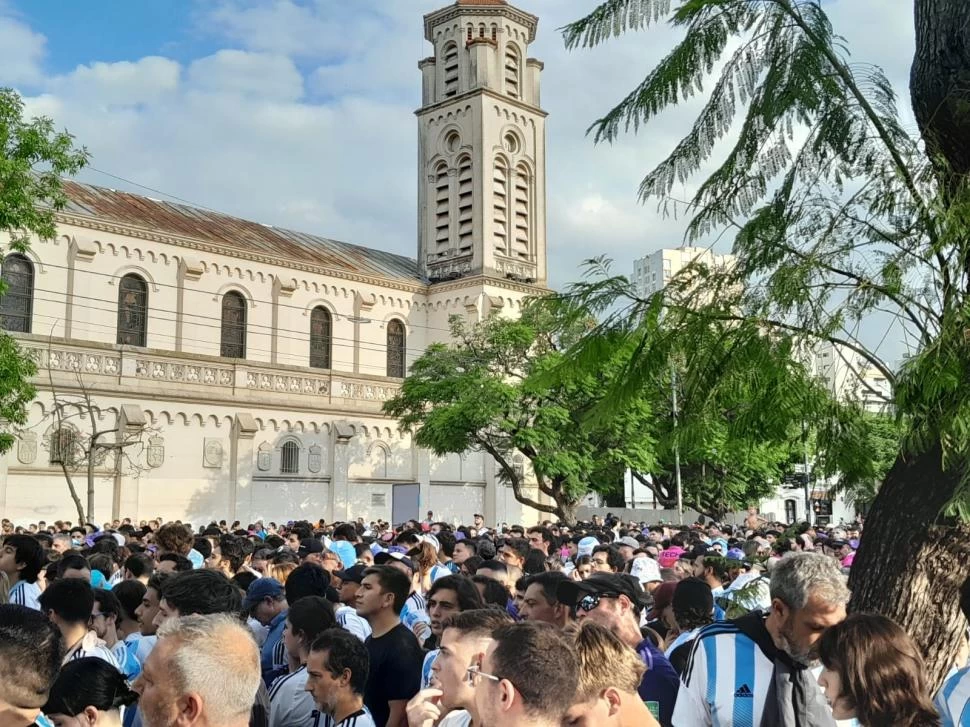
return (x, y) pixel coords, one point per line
(395, 670)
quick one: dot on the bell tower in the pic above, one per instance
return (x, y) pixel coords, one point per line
(481, 147)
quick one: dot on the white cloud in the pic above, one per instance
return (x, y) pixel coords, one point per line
(21, 52)
(124, 83)
(268, 75)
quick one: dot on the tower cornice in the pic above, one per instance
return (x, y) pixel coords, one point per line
(453, 11)
(468, 95)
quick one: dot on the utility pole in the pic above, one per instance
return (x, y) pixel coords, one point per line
(680, 489)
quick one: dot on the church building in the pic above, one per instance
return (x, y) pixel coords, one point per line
(244, 366)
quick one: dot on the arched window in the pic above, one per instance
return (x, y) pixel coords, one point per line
(132, 311)
(17, 301)
(321, 337)
(500, 208)
(465, 205)
(521, 202)
(290, 459)
(449, 57)
(442, 210)
(396, 343)
(233, 344)
(511, 71)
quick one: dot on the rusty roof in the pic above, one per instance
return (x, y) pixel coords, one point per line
(124, 208)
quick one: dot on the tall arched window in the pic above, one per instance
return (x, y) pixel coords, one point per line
(521, 202)
(290, 458)
(321, 337)
(511, 71)
(465, 205)
(17, 301)
(396, 346)
(132, 311)
(500, 205)
(442, 209)
(450, 64)
(233, 325)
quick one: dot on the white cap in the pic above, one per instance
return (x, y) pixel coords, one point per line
(645, 569)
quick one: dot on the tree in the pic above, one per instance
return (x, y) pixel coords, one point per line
(490, 391)
(838, 214)
(33, 157)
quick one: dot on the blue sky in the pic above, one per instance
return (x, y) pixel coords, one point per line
(300, 112)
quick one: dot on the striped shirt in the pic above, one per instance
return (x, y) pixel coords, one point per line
(348, 618)
(726, 681)
(415, 609)
(26, 594)
(953, 700)
(426, 667)
(361, 718)
(290, 705)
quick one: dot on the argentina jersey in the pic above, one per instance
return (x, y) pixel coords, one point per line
(726, 680)
(953, 700)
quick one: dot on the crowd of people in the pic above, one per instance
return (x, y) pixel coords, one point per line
(299, 624)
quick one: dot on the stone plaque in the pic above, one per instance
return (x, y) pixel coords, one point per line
(212, 453)
(156, 451)
(264, 457)
(27, 448)
(315, 459)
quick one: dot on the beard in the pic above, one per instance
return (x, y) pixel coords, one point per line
(804, 656)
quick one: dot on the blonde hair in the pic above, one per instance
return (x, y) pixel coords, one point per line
(280, 571)
(604, 661)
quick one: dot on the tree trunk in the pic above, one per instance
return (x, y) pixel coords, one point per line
(911, 562)
(73, 491)
(940, 85)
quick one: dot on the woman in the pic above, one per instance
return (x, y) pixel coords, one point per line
(873, 674)
(88, 692)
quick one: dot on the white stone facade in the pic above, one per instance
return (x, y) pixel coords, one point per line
(293, 427)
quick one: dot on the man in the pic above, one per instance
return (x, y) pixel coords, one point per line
(311, 551)
(712, 569)
(395, 657)
(346, 612)
(734, 666)
(607, 559)
(496, 570)
(953, 699)
(479, 522)
(105, 617)
(540, 539)
(337, 670)
(30, 657)
(527, 677)
(178, 539)
(266, 602)
(464, 549)
(693, 609)
(415, 608)
(615, 602)
(204, 672)
(68, 603)
(514, 552)
(344, 538)
(146, 613)
(446, 597)
(61, 543)
(627, 546)
(541, 602)
(173, 563)
(139, 567)
(22, 558)
(609, 675)
(465, 638)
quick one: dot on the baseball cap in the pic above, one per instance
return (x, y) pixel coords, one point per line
(668, 557)
(628, 541)
(259, 589)
(662, 597)
(645, 569)
(308, 546)
(384, 558)
(570, 592)
(585, 545)
(354, 574)
(735, 554)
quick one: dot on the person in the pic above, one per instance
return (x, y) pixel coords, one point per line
(74, 565)
(607, 559)
(346, 613)
(873, 673)
(953, 699)
(129, 594)
(344, 537)
(88, 691)
(464, 549)
(465, 638)
(734, 666)
(146, 613)
(104, 622)
(21, 559)
(139, 567)
(30, 656)
(178, 539)
(266, 602)
(68, 603)
(541, 538)
(203, 672)
(526, 678)
(415, 607)
(290, 705)
(541, 603)
(447, 596)
(693, 609)
(514, 552)
(609, 676)
(337, 669)
(395, 657)
(615, 601)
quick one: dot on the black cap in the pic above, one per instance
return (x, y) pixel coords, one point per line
(308, 546)
(570, 592)
(354, 574)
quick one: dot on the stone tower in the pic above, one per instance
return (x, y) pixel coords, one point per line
(481, 147)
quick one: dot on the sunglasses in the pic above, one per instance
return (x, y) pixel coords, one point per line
(591, 600)
(474, 672)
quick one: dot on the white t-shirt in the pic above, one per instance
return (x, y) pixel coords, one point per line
(290, 705)
(348, 618)
(357, 719)
(456, 718)
(91, 645)
(25, 594)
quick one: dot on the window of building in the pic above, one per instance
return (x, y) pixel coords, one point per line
(132, 311)
(500, 217)
(396, 349)
(17, 301)
(233, 343)
(290, 459)
(521, 235)
(450, 65)
(465, 205)
(511, 71)
(321, 338)
(442, 209)
(63, 446)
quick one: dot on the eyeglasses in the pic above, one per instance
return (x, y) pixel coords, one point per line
(474, 671)
(591, 600)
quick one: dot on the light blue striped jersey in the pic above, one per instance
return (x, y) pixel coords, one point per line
(726, 681)
(953, 700)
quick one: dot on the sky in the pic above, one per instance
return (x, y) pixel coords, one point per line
(299, 113)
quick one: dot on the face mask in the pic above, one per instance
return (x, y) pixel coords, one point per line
(75, 542)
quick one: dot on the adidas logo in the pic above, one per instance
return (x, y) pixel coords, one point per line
(743, 691)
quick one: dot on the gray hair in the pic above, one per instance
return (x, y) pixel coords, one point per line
(799, 576)
(216, 657)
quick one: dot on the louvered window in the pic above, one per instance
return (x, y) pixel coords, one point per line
(132, 311)
(396, 348)
(233, 343)
(441, 209)
(500, 218)
(63, 446)
(321, 338)
(511, 71)
(17, 300)
(450, 64)
(520, 231)
(465, 197)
